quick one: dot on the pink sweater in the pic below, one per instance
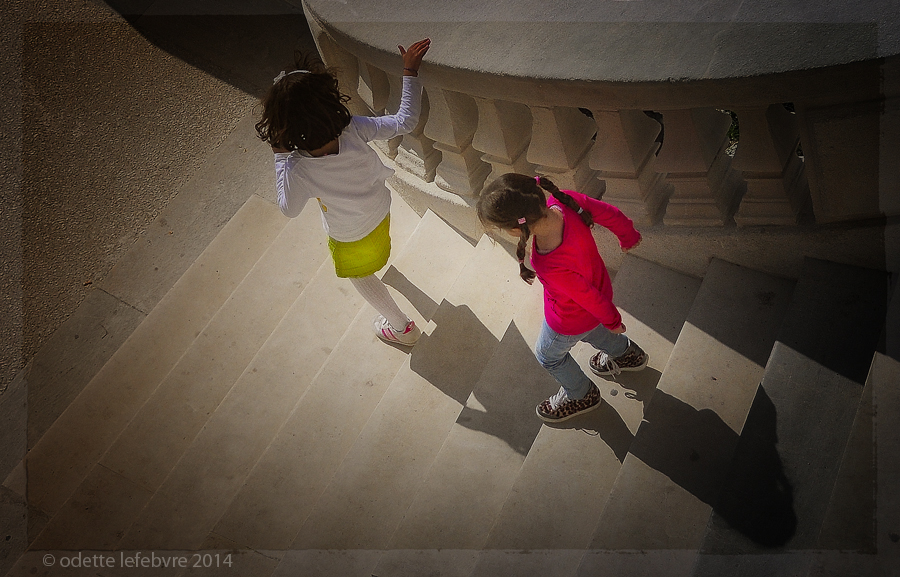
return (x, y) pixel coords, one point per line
(577, 288)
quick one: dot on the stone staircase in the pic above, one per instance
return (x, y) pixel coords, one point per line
(254, 415)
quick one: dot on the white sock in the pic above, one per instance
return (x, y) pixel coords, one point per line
(376, 294)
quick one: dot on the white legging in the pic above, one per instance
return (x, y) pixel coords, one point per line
(377, 295)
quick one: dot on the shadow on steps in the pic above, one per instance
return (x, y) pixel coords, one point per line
(695, 449)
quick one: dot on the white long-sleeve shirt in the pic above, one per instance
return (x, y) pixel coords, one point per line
(350, 185)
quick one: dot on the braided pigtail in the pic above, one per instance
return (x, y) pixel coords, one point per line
(526, 273)
(513, 202)
(564, 198)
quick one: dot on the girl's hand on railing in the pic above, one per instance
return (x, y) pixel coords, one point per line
(412, 57)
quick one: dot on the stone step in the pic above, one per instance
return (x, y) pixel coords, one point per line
(674, 470)
(466, 486)
(786, 466)
(583, 455)
(178, 409)
(386, 466)
(218, 461)
(450, 518)
(285, 484)
(72, 446)
(159, 433)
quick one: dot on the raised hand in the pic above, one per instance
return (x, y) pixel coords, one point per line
(412, 57)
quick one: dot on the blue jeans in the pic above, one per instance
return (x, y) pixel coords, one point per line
(552, 351)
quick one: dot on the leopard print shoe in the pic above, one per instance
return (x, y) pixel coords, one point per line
(633, 359)
(559, 407)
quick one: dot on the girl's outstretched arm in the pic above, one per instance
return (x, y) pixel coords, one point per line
(407, 117)
(610, 217)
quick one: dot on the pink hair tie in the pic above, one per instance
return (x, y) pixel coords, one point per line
(522, 220)
(537, 179)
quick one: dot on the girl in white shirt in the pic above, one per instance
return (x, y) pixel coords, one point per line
(322, 152)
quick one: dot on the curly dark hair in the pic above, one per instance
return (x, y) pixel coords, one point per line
(304, 111)
(517, 196)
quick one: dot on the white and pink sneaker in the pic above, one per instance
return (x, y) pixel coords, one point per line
(389, 334)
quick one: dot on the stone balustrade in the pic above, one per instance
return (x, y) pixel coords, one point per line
(808, 149)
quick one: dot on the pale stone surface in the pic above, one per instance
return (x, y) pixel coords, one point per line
(455, 210)
(95, 517)
(705, 191)
(66, 453)
(777, 188)
(218, 461)
(562, 487)
(579, 460)
(414, 563)
(47, 564)
(774, 565)
(13, 417)
(73, 355)
(472, 475)
(16, 480)
(624, 156)
(219, 556)
(78, 222)
(849, 522)
(671, 563)
(795, 436)
(384, 469)
(452, 119)
(503, 134)
(843, 147)
(349, 563)
(640, 42)
(373, 88)
(548, 563)
(238, 167)
(654, 302)
(676, 465)
(560, 140)
(167, 423)
(885, 376)
(285, 484)
(302, 459)
(13, 525)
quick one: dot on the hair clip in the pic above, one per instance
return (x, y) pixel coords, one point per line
(580, 210)
(522, 220)
(282, 74)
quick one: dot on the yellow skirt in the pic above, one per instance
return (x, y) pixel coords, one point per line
(364, 256)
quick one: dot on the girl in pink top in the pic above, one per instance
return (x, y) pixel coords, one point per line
(577, 289)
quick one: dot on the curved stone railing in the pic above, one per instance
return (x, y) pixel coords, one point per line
(809, 148)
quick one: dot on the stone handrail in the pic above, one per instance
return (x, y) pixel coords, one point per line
(655, 141)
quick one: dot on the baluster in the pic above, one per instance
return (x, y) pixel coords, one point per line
(705, 190)
(625, 157)
(560, 140)
(373, 88)
(777, 189)
(413, 152)
(347, 66)
(452, 121)
(503, 135)
(842, 151)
